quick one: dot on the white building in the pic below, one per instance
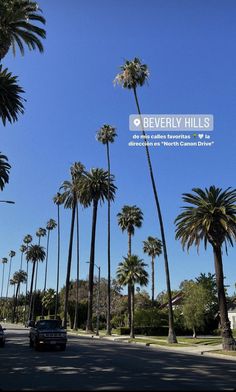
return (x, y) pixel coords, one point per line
(232, 317)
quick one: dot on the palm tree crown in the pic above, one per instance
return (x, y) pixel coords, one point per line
(71, 188)
(10, 97)
(94, 187)
(210, 216)
(4, 169)
(35, 253)
(16, 27)
(4, 260)
(133, 74)
(132, 271)
(129, 218)
(106, 134)
(12, 253)
(23, 248)
(27, 239)
(152, 246)
(20, 276)
(51, 224)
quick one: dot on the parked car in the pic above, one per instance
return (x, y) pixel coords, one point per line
(2, 336)
(47, 333)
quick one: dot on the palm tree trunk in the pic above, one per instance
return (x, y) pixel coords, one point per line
(228, 341)
(58, 257)
(132, 312)
(31, 290)
(171, 334)
(35, 285)
(69, 264)
(15, 302)
(89, 326)
(9, 275)
(21, 262)
(77, 278)
(108, 247)
(129, 286)
(153, 280)
(3, 271)
(46, 264)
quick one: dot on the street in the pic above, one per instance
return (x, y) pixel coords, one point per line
(95, 364)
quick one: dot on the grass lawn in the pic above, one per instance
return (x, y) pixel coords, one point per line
(156, 341)
(223, 352)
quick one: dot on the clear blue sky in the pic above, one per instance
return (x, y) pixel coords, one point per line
(189, 47)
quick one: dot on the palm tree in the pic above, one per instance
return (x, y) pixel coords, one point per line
(41, 232)
(23, 249)
(16, 27)
(4, 261)
(51, 224)
(210, 216)
(129, 218)
(130, 272)
(134, 74)
(106, 135)
(11, 255)
(58, 200)
(48, 300)
(4, 169)
(35, 253)
(10, 97)
(94, 188)
(27, 240)
(18, 277)
(153, 247)
(70, 198)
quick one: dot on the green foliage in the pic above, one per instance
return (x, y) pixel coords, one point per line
(133, 74)
(11, 101)
(152, 317)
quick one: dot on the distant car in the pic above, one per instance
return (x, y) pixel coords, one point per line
(47, 333)
(2, 336)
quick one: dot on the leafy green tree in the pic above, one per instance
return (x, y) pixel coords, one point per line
(34, 253)
(4, 168)
(210, 216)
(130, 272)
(153, 247)
(106, 135)
(94, 189)
(11, 100)
(16, 27)
(70, 197)
(11, 255)
(134, 74)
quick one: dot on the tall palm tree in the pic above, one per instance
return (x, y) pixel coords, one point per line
(35, 253)
(153, 247)
(94, 189)
(58, 200)
(23, 249)
(135, 74)
(16, 27)
(27, 240)
(11, 100)
(4, 261)
(210, 216)
(70, 198)
(19, 277)
(129, 218)
(4, 169)
(41, 232)
(51, 224)
(130, 272)
(106, 135)
(11, 255)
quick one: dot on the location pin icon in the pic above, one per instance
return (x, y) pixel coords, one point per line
(137, 122)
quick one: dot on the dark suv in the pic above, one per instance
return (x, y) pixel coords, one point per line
(47, 333)
(2, 336)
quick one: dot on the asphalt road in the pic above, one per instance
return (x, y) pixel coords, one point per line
(90, 364)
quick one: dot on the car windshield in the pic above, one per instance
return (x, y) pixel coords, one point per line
(48, 324)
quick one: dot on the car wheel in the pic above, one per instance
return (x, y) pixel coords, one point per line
(31, 343)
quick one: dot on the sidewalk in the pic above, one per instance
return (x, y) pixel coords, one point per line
(191, 350)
